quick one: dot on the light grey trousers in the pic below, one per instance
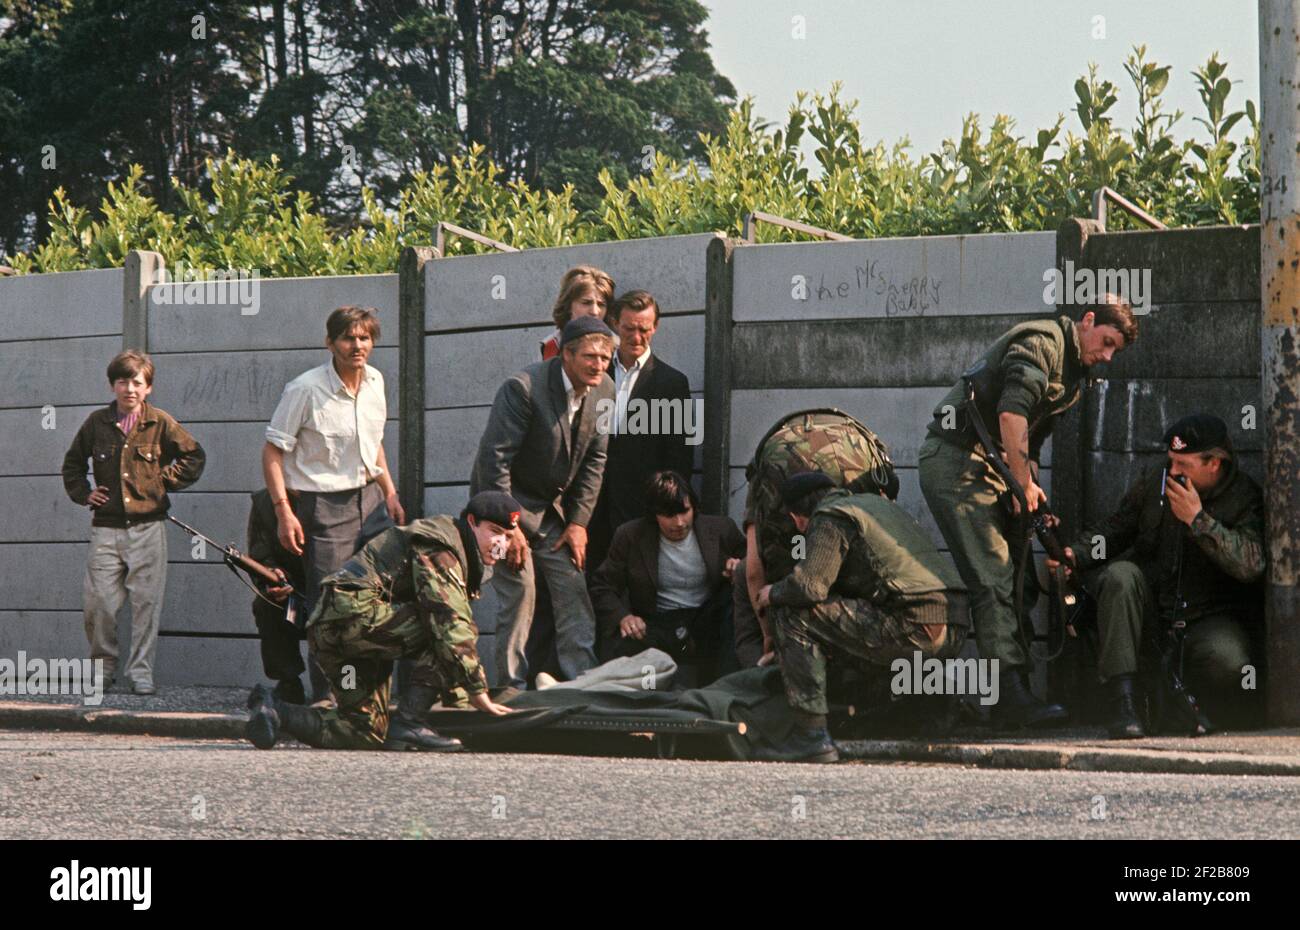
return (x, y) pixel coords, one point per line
(516, 592)
(125, 563)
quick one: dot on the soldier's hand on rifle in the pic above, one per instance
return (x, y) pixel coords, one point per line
(632, 627)
(1052, 564)
(575, 537)
(1033, 494)
(288, 529)
(279, 592)
(482, 701)
(518, 551)
(98, 497)
(1184, 502)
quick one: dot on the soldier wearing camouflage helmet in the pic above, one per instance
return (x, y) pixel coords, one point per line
(872, 586)
(405, 594)
(1185, 545)
(825, 440)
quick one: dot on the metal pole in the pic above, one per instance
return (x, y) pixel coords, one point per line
(1279, 86)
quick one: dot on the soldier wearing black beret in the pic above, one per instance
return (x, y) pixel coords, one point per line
(1186, 545)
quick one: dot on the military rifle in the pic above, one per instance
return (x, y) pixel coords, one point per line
(1042, 522)
(254, 569)
(1173, 701)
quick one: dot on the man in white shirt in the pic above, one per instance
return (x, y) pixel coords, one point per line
(325, 441)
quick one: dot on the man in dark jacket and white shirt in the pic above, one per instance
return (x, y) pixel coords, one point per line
(667, 583)
(542, 447)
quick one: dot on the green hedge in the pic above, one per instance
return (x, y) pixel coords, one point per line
(980, 182)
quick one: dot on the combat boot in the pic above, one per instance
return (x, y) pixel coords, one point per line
(802, 745)
(408, 730)
(269, 717)
(1017, 707)
(1123, 721)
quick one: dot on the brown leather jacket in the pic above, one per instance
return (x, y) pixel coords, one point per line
(158, 456)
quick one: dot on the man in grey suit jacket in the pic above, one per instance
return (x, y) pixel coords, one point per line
(542, 447)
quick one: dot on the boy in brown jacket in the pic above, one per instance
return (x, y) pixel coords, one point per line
(138, 453)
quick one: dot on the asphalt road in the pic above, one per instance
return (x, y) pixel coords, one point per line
(79, 785)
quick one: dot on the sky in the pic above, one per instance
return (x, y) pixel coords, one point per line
(917, 68)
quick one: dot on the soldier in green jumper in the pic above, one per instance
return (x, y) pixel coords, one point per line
(1185, 545)
(1039, 367)
(871, 585)
(825, 440)
(405, 594)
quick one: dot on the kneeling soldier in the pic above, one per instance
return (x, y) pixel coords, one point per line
(1188, 547)
(405, 594)
(871, 585)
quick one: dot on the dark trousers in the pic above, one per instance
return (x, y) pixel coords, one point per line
(281, 656)
(700, 639)
(336, 524)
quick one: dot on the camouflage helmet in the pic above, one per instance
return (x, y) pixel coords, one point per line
(822, 439)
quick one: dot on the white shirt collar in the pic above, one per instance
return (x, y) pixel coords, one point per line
(637, 365)
(336, 383)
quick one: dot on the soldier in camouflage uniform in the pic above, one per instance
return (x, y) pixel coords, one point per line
(405, 594)
(1038, 369)
(1191, 553)
(824, 440)
(871, 585)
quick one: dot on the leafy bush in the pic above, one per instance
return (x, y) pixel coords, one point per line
(978, 182)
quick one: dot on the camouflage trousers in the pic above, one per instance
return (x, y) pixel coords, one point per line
(356, 640)
(853, 627)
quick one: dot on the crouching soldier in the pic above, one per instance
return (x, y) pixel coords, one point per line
(1185, 550)
(405, 594)
(871, 585)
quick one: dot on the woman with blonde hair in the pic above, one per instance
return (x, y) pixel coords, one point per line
(584, 291)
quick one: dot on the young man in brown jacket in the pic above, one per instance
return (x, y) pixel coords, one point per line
(137, 453)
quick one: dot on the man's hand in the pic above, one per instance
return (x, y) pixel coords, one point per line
(482, 701)
(279, 592)
(517, 552)
(1184, 502)
(1052, 564)
(575, 537)
(1033, 494)
(729, 569)
(632, 627)
(98, 497)
(288, 529)
(393, 504)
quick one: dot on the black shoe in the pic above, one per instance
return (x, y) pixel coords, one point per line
(1017, 707)
(409, 731)
(290, 691)
(801, 746)
(263, 727)
(1122, 720)
(412, 736)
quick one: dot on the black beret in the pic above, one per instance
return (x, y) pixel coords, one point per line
(1198, 433)
(496, 507)
(581, 326)
(801, 484)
